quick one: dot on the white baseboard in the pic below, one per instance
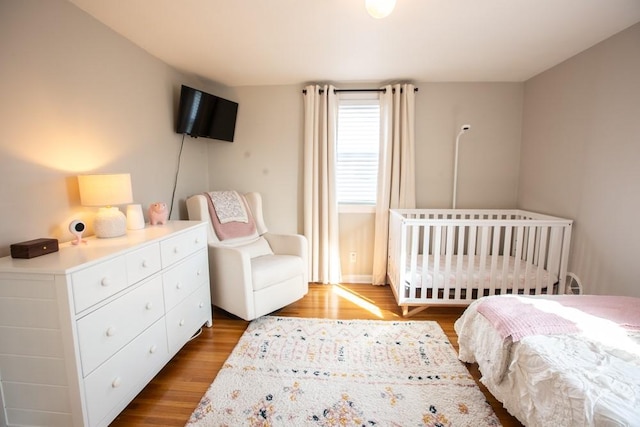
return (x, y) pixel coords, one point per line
(357, 278)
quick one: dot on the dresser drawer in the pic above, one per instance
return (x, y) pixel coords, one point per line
(143, 262)
(98, 282)
(185, 319)
(182, 279)
(178, 247)
(126, 373)
(106, 330)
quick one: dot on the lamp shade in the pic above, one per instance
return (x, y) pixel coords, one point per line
(105, 190)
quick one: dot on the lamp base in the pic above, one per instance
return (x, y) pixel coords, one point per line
(110, 222)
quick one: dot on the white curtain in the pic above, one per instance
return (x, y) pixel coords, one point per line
(320, 203)
(396, 169)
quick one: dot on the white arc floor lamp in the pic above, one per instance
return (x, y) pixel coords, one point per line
(463, 129)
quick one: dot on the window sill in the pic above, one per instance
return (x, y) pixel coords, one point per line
(357, 209)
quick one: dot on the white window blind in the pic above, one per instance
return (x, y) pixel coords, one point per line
(357, 151)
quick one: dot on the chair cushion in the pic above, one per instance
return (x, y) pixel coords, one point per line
(269, 270)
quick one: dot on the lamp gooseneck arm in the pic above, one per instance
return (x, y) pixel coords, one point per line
(455, 171)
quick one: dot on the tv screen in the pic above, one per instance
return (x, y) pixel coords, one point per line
(206, 115)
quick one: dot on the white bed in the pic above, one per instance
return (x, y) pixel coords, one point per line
(589, 376)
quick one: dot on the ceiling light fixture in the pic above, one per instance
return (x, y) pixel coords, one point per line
(380, 8)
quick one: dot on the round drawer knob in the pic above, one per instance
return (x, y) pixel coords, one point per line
(111, 331)
(198, 273)
(153, 348)
(149, 305)
(176, 250)
(145, 264)
(178, 285)
(181, 323)
(116, 382)
(105, 281)
(197, 240)
(201, 305)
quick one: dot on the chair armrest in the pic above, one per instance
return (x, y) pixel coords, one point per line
(231, 282)
(290, 244)
(287, 244)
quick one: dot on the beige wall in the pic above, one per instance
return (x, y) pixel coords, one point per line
(489, 153)
(267, 155)
(78, 98)
(581, 158)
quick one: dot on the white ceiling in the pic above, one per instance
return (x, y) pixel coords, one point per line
(274, 42)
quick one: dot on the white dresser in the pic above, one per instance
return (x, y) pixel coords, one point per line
(84, 329)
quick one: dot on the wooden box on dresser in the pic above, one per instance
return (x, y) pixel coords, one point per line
(84, 329)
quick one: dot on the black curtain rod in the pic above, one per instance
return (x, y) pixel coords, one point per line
(359, 90)
(321, 91)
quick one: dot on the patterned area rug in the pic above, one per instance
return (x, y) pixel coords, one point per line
(288, 371)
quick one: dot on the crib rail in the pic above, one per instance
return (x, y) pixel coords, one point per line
(453, 257)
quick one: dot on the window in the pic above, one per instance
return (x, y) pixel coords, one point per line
(357, 150)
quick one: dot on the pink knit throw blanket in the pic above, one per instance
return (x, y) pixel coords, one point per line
(231, 229)
(518, 317)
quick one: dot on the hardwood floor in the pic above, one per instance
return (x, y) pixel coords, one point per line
(173, 394)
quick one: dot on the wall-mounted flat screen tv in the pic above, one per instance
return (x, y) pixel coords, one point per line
(201, 114)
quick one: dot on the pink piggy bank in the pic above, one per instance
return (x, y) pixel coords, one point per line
(158, 213)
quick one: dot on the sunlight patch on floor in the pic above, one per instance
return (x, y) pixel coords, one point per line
(359, 301)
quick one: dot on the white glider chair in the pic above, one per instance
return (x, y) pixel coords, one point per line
(252, 273)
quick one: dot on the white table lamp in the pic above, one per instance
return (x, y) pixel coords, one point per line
(104, 191)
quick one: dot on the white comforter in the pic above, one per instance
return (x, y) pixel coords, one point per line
(590, 378)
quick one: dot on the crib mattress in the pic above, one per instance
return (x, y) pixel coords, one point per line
(478, 274)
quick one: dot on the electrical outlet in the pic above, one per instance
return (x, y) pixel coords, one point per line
(353, 257)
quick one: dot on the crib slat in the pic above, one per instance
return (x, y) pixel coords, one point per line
(459, 261)
(531, 238)
(495, 254)
(436, 261)
(563, 257)
(427, 279)
(554, 250)
(518, 258)
(471, 251)
(484, 238)
(542, 281)
(506, 251)
(424, 263)
(415, 239)
(448, 252)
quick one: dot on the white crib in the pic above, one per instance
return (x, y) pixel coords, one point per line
(452, 257)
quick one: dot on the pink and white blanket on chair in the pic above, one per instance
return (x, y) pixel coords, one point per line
(230, 216)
